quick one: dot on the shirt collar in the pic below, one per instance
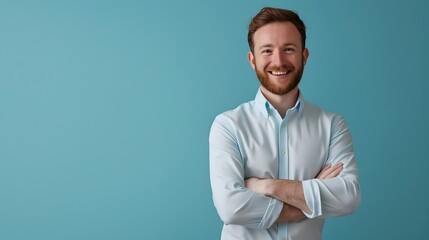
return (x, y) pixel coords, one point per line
(265, 106)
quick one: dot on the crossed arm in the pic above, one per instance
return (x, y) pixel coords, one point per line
(290, 192)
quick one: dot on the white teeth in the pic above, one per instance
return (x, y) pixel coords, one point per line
(278, 73)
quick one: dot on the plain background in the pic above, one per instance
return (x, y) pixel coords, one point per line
(106, 106)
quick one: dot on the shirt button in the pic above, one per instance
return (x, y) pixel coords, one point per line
(283, 152)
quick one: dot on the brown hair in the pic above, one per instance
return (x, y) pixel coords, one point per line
(269, 15)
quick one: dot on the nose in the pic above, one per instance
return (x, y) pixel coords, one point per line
(278, 58)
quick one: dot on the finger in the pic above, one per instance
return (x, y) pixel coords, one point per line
(251, 182)
(329, 172)
(335, 172)
(248, 181)
(322, 173)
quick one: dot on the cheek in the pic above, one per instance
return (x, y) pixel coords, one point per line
(298, 60)
(262, 64)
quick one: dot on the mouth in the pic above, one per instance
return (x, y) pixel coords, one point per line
(279, 73)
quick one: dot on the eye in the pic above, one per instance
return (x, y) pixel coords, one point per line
(289, 50)
(266, 51)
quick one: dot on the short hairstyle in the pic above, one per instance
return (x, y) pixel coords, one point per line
(269, 15)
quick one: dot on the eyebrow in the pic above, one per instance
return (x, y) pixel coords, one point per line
(270, 45)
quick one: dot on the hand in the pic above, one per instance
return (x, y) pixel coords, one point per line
(330, 171)
(290, 214)
(256, 185)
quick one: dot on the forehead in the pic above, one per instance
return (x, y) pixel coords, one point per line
(277, 33)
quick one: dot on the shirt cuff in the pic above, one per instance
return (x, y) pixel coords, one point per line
(271, 214)
(312, 197)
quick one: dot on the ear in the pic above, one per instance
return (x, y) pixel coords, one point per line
(305, 55)
(251, 59)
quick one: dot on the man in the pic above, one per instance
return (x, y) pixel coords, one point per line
(280, 166)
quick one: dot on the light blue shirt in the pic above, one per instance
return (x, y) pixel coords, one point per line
(254, 141)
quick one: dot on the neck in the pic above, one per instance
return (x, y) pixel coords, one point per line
(281, 102)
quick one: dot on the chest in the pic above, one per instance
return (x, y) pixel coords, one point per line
(298, 149)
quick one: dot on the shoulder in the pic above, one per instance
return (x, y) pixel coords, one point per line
(327, 119)
(315, 112)
(243, 111)
(232, 120)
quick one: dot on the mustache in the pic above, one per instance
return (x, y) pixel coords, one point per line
(284, 67)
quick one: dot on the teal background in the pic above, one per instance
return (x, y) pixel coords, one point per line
(106, 106)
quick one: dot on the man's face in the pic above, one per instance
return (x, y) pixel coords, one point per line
(278, 58)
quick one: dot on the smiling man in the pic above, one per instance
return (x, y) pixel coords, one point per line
(279, 166)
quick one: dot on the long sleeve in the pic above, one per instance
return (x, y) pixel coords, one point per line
(234, 202)
(340, 195)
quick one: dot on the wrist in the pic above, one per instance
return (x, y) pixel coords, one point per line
(270, 187)
(283, 189)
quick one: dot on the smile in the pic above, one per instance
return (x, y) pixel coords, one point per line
(279, 73)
